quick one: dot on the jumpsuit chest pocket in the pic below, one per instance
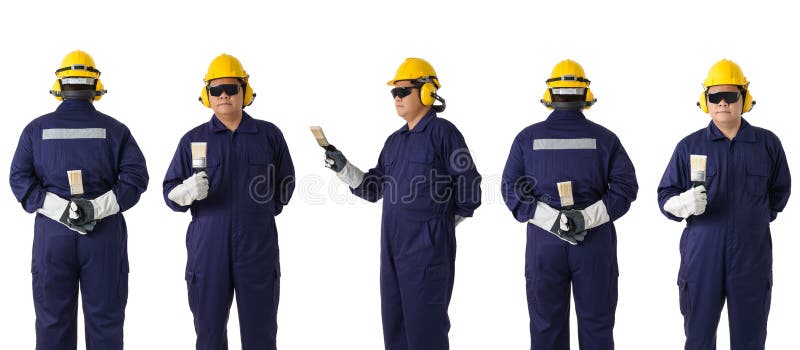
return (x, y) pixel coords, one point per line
(756, 179)
(420, 163)
(261, 176)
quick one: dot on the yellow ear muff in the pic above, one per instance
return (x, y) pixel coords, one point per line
(702, 102)
(204, 97)
(748, 101)
(249, 95)
(426, 92)
(99, 90)
(590, 100)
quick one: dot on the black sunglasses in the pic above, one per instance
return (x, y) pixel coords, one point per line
(229, 89)
(402, 91)
(728, 96)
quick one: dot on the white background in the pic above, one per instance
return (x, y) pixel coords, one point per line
(326, 63)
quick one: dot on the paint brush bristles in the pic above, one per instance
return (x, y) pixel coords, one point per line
(565, 193)
(697, 164)
(320, 136)
(75, 179)
(198, 155)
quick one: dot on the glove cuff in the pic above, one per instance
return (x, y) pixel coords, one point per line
(351, 175)
(544, 216)
(53, 206)
(105, 205)
(595, 215)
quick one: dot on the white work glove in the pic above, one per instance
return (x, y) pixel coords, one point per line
(459, 219)
(691, 202)
(351, 175)
(573, 221)
(194, 188)
(57, 209)
(83, 211)
(549, 220)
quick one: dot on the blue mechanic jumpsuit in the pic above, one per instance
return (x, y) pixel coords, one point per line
(232, 240)
(568, 147)
(77, 136)
(726, 252)
(425, 176)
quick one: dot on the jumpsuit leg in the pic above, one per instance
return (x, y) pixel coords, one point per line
(394, 330)
(548, 290)
(104, 283)
(425, 275)
(749, 289)
(594, 279)
(700, 286)
(208, 280)
(256, 274)
(55, 286)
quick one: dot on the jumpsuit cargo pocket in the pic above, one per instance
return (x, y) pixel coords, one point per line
(685, 297)
(37, 284)
(276, 287)
(122, 288)
(768, 296)
(191, 286)
(436, 281)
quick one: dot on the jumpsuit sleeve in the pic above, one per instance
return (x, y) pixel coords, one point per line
(25, 183)
(461, 168)
(371, 188)
(622, 184)
(284, 171)
(674, 181)
(179, 170)
(517, 186)
(780, 182)
(132, 177)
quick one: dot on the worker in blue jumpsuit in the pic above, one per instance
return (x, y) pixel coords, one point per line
(78, 242)
(232, 240)
(429, 183)
(726, 247)
(576, 244)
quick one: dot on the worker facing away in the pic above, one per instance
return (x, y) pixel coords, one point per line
(79, 169)
(234, 174)
(728, 180)
(428, 182)
(571, 236)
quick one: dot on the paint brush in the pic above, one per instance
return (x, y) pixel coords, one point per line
(697, 164)
(565, 193)
(199, 156)
(75, 183)
(320, 136)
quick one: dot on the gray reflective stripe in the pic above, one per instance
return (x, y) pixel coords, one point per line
(564, 144)
(61, 134)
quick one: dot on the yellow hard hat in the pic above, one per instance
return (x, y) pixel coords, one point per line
(227, 66)
(78, 68)
(726, 72)
(415, 69)
(568, 75)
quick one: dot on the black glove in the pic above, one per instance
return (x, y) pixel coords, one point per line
(81, 212)
(334, 159)
(82, 229)
(575, 222)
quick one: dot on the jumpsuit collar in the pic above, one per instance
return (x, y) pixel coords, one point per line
(75, 105)
(247, 125)
(566, 114)
(420, 127)
(745, 133)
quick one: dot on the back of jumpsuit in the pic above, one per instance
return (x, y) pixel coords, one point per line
(77, 136)
(425, 176)
(568, 147)
(232, 240)
(726, 252)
